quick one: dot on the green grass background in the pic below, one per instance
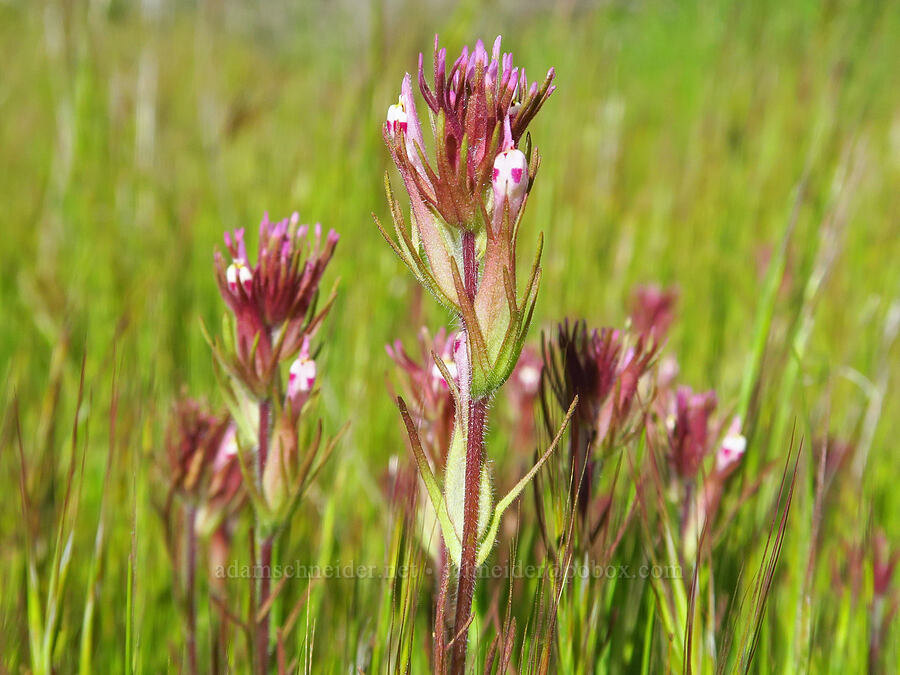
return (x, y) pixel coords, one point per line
(130, 138)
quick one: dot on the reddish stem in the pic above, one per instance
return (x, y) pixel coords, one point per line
(474, 459)
(191, 564)
(265, 547)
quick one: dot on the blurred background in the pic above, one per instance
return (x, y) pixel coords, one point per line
(684, 140)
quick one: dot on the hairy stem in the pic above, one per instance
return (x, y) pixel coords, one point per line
(265, 547)
(474, 460)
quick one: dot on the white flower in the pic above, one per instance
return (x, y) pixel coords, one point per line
(238, 272)
(397, 118)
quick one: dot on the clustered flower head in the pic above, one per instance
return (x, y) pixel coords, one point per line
(470, 107)
(273, 301)
(202, 462)
(478, 183)
(604, 369)
(692, 435)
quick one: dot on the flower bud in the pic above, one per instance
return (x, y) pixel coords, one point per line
(397, 118)
(238, 272)
(510, 178)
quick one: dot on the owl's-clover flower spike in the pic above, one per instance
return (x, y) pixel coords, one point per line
(469, 107)
(479, 93)
(192, 438)
(290, 268)
(272, 300)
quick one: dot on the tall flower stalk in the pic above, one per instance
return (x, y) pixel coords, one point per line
(273, 317)
(466, 207)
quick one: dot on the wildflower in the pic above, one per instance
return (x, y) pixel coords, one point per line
(193, 440)
(652, 310)
(478, 183)
(689, 431)
(603, 370)
(428, 389)
(474, 99)
(273, 300)
(461, 246)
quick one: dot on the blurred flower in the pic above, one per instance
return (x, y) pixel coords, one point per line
(222, 494)
(522, 389)
(603, 368)
(432, 405)
(652, 310)
(885, 602)
(883, 565)
(689, 431)
(193, 441)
